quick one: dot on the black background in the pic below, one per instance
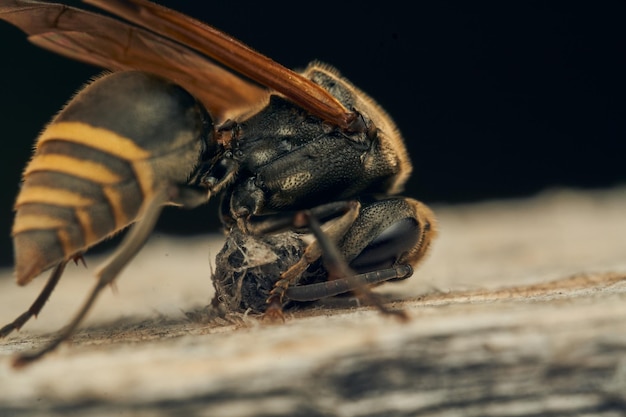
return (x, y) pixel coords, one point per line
(495, 100)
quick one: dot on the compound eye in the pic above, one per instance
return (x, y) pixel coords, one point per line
(386, 248)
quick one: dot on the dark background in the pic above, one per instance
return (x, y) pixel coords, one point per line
(495, 100)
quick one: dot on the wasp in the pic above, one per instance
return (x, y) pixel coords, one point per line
(186, 112)
(249, 266)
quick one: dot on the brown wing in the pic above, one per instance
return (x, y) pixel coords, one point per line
(232, 53)
(115, 45)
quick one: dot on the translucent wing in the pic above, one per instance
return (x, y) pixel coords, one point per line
(232, 53)
(171, 45)
(115, 45)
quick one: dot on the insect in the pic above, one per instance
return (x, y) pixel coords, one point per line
(249, 265)
(300, 151)
(247, 268)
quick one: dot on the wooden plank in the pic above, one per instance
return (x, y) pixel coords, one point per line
(518, 312)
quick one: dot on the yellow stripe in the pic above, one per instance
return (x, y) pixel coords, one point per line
(95, 137)
(24, 223)
(86, 223)
(145, 178)
(54, 196)
(66, 243)
(115, 202)
(88, 170)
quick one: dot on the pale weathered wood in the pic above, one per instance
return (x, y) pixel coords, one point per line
(520, 311)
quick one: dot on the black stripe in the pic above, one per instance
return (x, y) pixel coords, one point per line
(132, 194)
(86, 153)
(66, 214)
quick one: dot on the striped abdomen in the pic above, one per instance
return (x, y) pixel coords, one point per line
(82, 184)
(103, 157)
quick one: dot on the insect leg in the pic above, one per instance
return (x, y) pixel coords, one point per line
(388, 238)
(288, 220)
(317, 291)
(332, 231)
(38, 304)
(132, 243)
(339, 270)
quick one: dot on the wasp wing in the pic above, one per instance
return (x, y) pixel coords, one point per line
(116, 45)
(233, 54)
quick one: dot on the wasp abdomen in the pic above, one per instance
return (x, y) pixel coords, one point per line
(104, 156)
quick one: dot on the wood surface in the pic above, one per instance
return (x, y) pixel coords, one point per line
(519, 311)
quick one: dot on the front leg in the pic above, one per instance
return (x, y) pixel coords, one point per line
(326, 237)
(385, 240)
(384, 243)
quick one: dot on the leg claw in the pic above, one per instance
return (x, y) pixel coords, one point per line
(274, 311)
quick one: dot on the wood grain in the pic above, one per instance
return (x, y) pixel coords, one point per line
(519, 311)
